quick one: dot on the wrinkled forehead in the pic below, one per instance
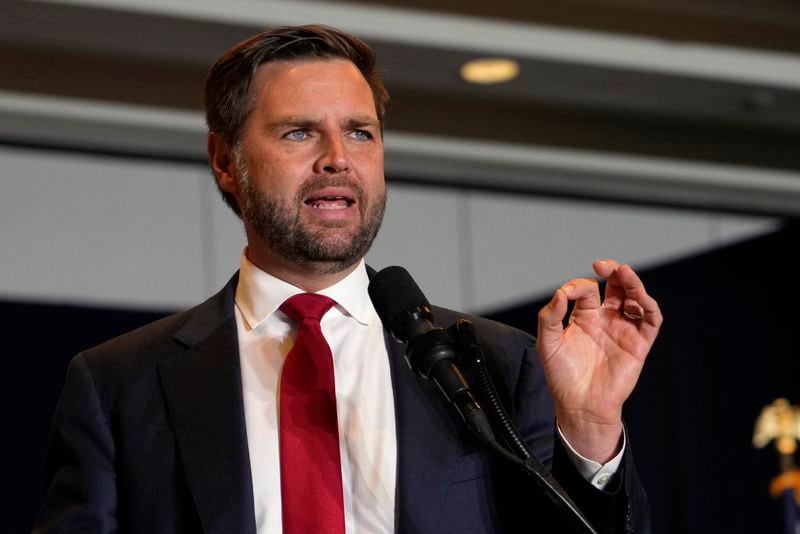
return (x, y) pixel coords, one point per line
(312, 84)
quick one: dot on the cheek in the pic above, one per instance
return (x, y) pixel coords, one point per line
(369, 165)
(277, 174)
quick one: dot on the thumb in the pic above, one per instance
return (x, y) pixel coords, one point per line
(551, 323)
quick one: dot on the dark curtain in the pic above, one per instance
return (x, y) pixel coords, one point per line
(728, 347)
(40, 340)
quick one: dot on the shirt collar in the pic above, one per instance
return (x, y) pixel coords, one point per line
(259, 294)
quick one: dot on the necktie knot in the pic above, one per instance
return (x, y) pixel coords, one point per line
(307, 306)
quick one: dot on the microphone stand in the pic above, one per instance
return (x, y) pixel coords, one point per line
(519, 455)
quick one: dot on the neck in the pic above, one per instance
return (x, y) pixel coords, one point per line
(308, 278)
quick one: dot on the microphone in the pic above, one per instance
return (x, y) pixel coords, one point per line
(431, 353)
(430, 350)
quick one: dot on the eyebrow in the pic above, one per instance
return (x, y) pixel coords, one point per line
(360, 122)
(305, 122)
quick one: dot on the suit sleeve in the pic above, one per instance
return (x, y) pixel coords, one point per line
(80, 493)
(620, 508)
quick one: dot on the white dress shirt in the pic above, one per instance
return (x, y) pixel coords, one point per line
(364, 398)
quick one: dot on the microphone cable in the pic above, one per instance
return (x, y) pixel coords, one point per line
(470, 351)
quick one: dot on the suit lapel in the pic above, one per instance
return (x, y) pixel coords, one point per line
(203, 392)
(429, 443)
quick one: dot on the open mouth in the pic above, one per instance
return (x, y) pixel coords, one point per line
(330, 202)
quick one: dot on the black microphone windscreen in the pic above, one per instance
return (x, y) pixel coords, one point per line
(394, 292)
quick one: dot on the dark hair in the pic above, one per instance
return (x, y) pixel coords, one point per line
(227, 95)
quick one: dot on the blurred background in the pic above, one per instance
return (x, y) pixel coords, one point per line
(663, 134)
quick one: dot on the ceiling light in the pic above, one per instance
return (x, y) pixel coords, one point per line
(489, 70)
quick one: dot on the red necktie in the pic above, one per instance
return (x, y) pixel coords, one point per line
(311, 470)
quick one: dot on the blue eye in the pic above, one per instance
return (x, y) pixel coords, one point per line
(297, 135)
(362, 135)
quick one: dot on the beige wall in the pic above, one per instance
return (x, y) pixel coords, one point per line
(150, 234)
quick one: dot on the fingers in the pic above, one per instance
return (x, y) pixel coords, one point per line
(583, 291)
(626, 292)
(605, 268)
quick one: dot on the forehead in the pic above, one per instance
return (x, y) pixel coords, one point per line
(314, 83)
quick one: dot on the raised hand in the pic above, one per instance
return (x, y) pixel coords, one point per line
(593, 364)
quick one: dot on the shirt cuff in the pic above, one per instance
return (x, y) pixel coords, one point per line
(598, 475)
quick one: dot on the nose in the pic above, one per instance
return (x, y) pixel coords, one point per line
(333, 157)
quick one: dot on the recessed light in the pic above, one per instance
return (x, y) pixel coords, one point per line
(487, 71)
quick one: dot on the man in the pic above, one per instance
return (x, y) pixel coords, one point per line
(176, 427)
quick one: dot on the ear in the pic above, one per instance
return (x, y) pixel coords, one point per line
(220, 156)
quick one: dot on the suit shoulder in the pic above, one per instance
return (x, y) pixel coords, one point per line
(146, 335)
(486, 328)
(160, 338)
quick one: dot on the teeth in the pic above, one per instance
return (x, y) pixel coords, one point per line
(329, 206)
(330, 203)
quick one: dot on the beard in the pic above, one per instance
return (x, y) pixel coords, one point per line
(320, 249)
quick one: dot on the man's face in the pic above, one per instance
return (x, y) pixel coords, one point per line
(310, 164)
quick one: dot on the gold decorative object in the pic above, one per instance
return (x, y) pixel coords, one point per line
(780, 422)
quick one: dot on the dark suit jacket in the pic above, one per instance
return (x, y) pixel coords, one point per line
(149, 436)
